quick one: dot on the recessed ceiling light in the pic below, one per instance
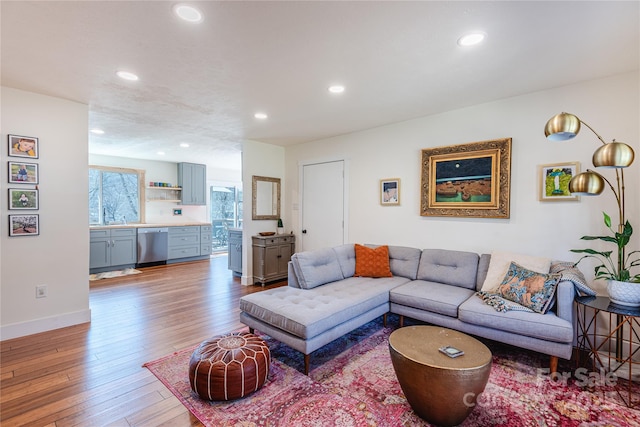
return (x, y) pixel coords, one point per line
(336, 89)
(471, 39)
(160, 153)
(261, 116)
(188, 13)
(127, 75)
(97, 131)
(184, 145)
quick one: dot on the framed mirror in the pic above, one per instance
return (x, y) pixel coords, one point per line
(266, 198)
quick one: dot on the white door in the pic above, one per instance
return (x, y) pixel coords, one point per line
(323, 205)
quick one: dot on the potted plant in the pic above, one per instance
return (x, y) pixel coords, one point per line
(623, 287)
(280, 226)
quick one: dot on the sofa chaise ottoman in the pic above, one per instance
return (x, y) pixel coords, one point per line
(323, 300)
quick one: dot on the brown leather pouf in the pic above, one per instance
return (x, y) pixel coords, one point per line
(229, 367)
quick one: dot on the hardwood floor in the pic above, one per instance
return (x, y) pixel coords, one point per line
(92, 374)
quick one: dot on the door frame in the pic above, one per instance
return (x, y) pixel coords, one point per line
(345, 193)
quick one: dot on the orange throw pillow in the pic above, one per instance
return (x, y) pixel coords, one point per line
(372, 262)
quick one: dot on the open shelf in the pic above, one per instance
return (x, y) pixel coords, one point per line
(164, 194)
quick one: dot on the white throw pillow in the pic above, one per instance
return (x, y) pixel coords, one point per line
(500, 262)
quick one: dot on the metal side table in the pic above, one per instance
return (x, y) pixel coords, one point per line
(618, 350)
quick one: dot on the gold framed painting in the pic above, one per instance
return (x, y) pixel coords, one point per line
(553, 181)
(468, 180)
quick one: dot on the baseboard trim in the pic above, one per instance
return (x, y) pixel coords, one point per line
(17, 330)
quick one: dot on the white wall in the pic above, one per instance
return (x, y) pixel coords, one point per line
(59, 256)
(611, 106)
(261, 160)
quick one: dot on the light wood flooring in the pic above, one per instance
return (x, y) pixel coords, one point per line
(92, 374)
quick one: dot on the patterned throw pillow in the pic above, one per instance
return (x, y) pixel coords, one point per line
(528, 288)
(499, 264)
(372, 262)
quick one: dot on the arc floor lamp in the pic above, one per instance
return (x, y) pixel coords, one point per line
(616, 155)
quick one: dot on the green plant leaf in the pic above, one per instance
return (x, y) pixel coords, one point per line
(609, 239)
(607, 219)
(605, 254)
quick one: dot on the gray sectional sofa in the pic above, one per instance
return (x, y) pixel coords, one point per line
(324, 301)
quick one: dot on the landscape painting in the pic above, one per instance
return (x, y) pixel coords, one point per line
(468, 180)
(464, 180)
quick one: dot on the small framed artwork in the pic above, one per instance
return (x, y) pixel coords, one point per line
(390, 191)
(23, 173)
(23, 199)
(23, 146)
(553, 181)
(24, 225)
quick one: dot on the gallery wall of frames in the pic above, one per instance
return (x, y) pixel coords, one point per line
(23, 204)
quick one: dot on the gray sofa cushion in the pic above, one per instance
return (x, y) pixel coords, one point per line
(315, 268)
(430, 296)
(292, 280)
(483, 267)
(404, 261)
(308, 312)
(455, 268)
(347, 258)
(547, 327)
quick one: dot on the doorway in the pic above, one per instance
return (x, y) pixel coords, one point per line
(324, 208)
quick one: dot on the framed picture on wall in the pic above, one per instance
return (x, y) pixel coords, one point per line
(23, 199)
(467, 180)
(390, 191)
(23, 173)
(553, 181)
(24, 225)
(23, 146)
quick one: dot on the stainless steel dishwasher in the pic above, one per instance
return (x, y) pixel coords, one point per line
(153, 245)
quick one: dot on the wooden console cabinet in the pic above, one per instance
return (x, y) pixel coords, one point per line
(271, 255)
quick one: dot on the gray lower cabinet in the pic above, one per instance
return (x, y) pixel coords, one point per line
(235, 251)
(115, 247)
(206, 235)
(184, 242)
(271, 255)
(193, 241)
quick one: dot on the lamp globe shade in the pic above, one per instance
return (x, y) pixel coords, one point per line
(613, 155)
(562, 127)
(587, 183)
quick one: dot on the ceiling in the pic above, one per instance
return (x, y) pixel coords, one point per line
(202, 83)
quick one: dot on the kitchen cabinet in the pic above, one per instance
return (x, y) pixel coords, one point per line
(206, 236)
(235, 251)
(113, 247)
(192, 178)
(271, 254)
(192, 242)
(184, 242)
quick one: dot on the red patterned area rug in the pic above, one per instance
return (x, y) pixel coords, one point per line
(352, 383)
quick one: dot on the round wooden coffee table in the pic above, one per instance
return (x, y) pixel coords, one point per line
(440, 389)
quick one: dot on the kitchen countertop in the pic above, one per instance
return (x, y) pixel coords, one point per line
(178, 224)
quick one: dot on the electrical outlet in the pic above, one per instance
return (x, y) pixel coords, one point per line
(41, 291)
